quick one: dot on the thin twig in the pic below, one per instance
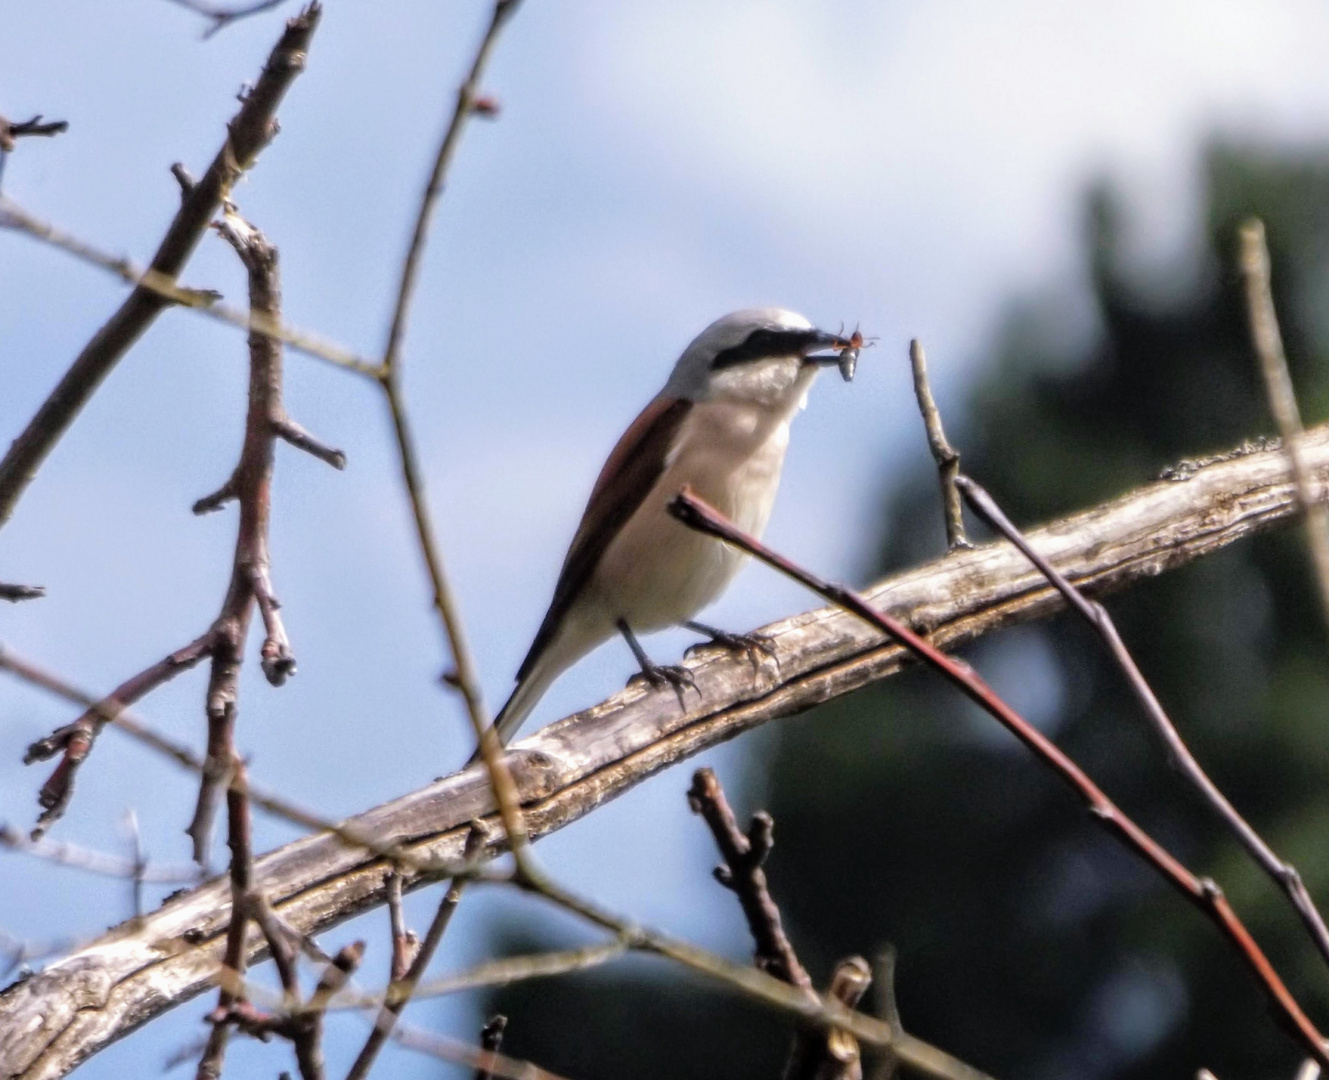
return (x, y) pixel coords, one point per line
(946, 457)
(403, 988)
(266, 800)
(1283, 873)
(1203, 893)
(1268, 343)
(405, 942)
(238, 835)
(464, 676)
(249, 132)
(97, 862)
(11, 130)
(75, 741)
(15, 593)
(445, 1048)
(883, 977)
(205, 302)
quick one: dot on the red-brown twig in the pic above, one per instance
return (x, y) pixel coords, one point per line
(249, 132)
(242, 880)
(250, 485)
(1202, 892)
(1284, 874)
(744, 855)
(75, 740)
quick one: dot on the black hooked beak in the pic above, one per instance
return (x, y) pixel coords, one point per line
(845, 357)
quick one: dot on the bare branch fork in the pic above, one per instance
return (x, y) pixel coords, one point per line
(815, 1055)
(567, 770)
(223, 642)
(11, 130)
(247, 134)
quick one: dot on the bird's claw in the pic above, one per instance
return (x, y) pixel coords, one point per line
(754, 645)
(677, 676)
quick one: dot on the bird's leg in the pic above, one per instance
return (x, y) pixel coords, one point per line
(657, 674)
(752, 644)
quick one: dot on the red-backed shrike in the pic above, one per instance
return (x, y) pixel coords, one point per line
(720, 426)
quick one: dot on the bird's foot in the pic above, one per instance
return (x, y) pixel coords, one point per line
(754, 645)
(677, 676)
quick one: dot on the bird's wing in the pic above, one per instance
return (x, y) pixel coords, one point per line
(632, 469)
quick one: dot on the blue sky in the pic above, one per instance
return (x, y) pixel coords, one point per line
(909, 167)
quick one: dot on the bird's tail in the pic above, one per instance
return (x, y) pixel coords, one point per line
(552, 663)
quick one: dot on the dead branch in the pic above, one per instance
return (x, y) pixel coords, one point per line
(248, 133)
(75, 741)
(744, 855)
(1283, 874)
(1268, 342)
(56, 1019)
(817, 1055)
(10, 130)
(1203, 893)
(946, 457)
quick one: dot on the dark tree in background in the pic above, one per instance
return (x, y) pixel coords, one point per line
(1029, 943)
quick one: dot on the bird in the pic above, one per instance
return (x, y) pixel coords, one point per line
(720, 426)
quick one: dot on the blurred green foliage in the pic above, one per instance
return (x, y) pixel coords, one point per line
(1029, 942)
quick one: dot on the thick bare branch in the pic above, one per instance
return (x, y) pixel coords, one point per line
(247, 134)
(58, 1018)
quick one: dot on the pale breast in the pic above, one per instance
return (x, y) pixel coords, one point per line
(658, 573)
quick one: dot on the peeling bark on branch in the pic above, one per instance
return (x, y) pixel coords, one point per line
(53, 1021)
